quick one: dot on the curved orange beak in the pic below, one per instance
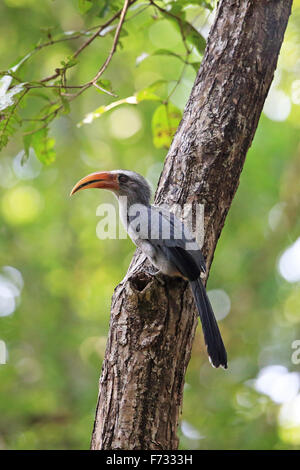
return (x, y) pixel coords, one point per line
(102, 180)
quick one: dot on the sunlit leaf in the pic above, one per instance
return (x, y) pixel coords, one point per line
(66, 105)
(163, 52)
(90, 117)
(70, 62)
(104, 9)
(202, 3)
(136, 6)
(194, 37)
(41, 95)
(196, 66)
(107, 30)
(21, 61)
(9, 122)
(167, 52)
(165, 121)
(177, 9)
(141, 58)
(105, 86)
(84, 6)
(149, 93)
(187, 30)
(43, 146)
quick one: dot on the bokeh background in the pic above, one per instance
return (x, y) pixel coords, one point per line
(57, 277)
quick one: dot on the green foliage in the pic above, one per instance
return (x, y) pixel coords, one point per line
(9, 122)
(177, 15)
(69, 63)
(105, 86)
(165, 121)
(150, 92)
(17, 81)
(85, 5)
(42, 145)
(203, 3)
(104, 9)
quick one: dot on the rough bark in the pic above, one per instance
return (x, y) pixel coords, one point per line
(153, 318)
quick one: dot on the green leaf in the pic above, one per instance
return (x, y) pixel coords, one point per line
(165, 121)
(71, 62)
(90, 117)
(27, 143)
(21, 61)
(194, 37)
(47, 30)
(104, 9)
(177, 9)
(195, 65)
(41, 95)
(167, 52)
(43, 146)
(105, 85)
(186, 29)
(66, 105)
(140, 58)
(202, 3)
(148, 93)
(9, 121)
(84, 6)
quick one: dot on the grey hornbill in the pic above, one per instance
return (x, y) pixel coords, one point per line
(166, 242)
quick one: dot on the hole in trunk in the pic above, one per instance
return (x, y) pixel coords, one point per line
(140, 281)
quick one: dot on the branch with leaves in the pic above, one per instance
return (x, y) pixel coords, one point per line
(16, 90)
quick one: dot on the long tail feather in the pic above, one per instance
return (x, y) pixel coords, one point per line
(212, 336)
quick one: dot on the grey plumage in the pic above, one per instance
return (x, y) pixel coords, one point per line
(171, 248)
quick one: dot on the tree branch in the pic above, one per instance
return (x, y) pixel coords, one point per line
(61, 72)
(114, 46)
(153, 321)
(96, 34)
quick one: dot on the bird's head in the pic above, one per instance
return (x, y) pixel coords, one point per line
(120, 182)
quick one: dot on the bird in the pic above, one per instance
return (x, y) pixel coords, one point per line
(166, 242)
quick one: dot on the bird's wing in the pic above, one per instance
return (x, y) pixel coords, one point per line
(166, 232)
(179, 239)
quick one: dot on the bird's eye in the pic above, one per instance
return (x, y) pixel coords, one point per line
(123, 178)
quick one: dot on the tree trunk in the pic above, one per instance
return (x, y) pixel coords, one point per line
(153, 318)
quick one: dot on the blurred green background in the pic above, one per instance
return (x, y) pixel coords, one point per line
(57, 277)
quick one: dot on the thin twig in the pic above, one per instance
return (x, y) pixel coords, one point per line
(89, 41)
(97, 76)
(116, 39)
(63, 39)
(45, 120)
(105, 25)
(178, 81)
(110, 55)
